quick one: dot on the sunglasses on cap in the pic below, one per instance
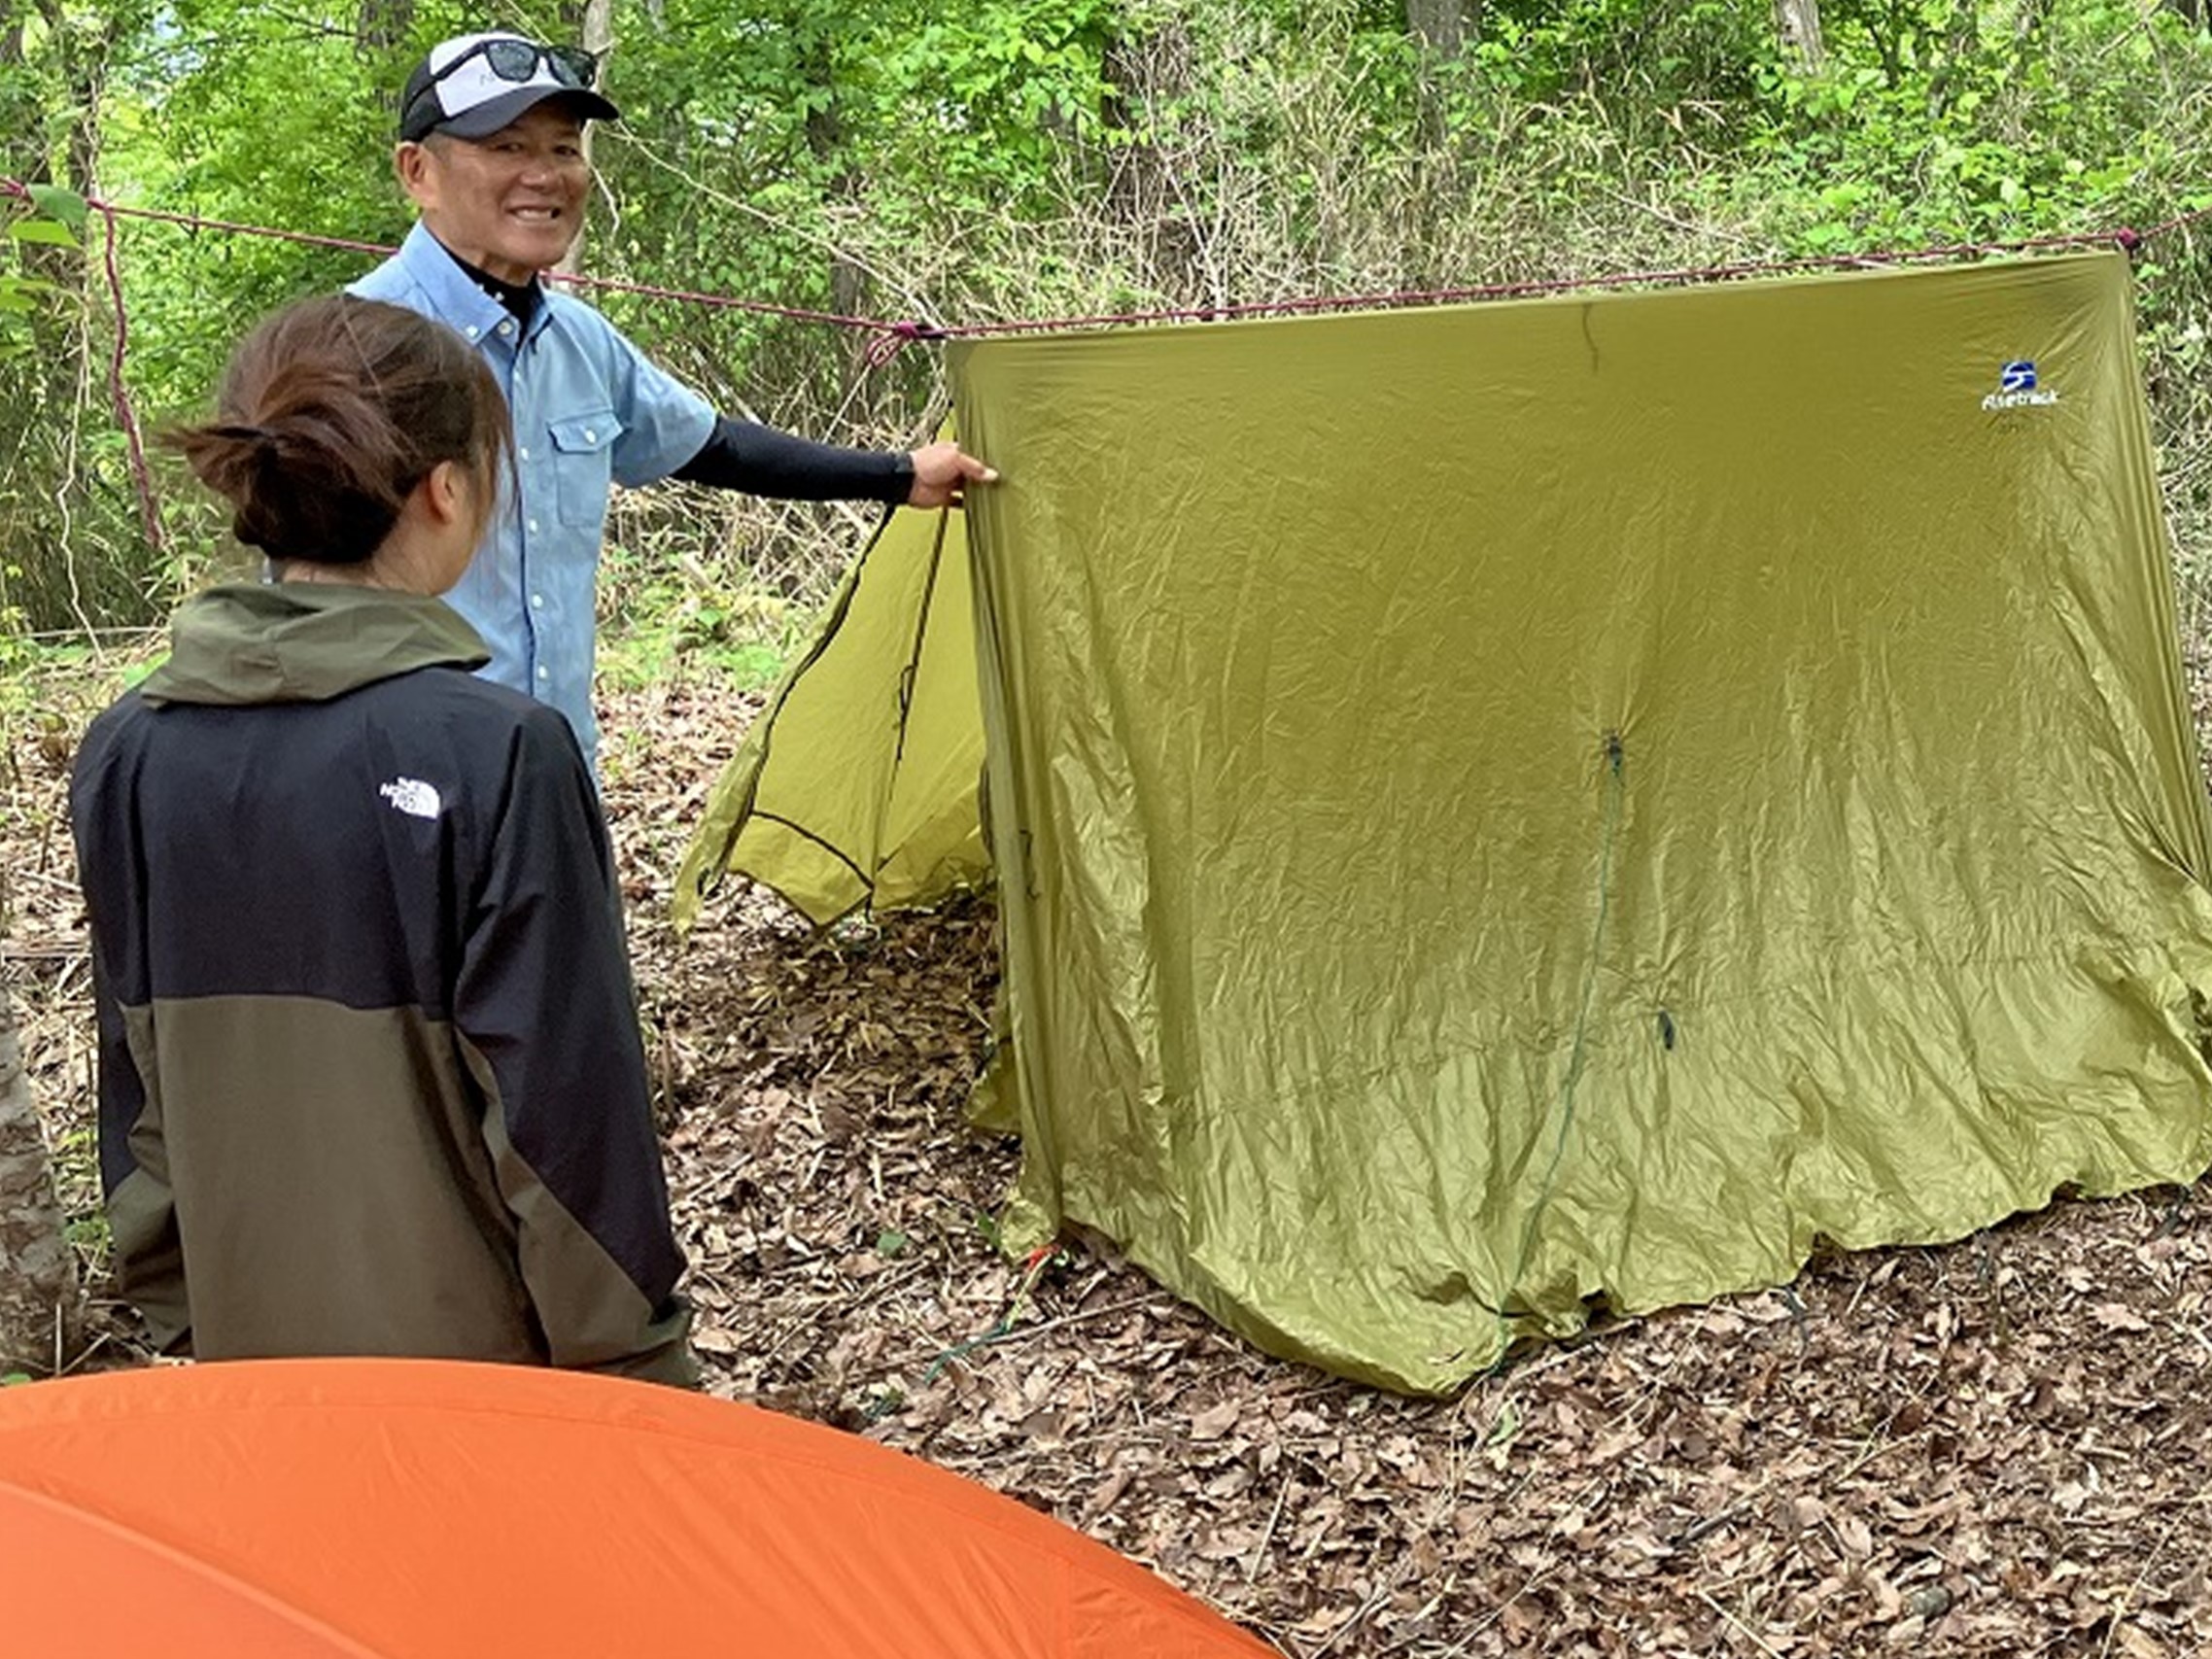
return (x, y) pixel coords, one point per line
(517, 60)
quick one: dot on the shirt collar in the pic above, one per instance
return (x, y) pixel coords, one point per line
(455, 296)
(520, 300)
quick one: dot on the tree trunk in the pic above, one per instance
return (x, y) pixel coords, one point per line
(39, 1311)
(1964, 41)
(1444, 27)
(594, 25)
(825, 140)
(1798, 22)
(380, 26)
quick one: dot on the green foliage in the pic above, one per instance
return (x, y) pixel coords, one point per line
(986, 1224)
(1933, 124)
(977, 105)
(53, 219)
(72, 548)
(256, 115)
(1652, 53)
(667, 614)
(1024, 157)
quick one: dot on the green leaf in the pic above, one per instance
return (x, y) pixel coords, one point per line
(891, 1242)
(42, 230)
(54, 202)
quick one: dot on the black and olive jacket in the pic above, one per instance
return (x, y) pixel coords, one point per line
(370, 1073)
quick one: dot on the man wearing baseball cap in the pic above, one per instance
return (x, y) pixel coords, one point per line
(490, 150)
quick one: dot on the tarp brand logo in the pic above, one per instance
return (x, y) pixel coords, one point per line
(2018, 388)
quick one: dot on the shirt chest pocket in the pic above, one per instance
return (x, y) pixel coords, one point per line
(583, 462)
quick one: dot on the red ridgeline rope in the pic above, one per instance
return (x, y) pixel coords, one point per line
(198, 222)
(119, 395)
(897, 332)
(891, 336)
(2128, 240)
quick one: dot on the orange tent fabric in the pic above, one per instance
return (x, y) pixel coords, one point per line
(409, 1508)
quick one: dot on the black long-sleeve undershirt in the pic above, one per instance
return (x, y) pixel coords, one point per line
(743, 455)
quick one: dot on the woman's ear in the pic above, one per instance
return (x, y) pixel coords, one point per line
(447, 495)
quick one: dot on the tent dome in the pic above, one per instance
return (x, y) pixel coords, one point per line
(416, 1509)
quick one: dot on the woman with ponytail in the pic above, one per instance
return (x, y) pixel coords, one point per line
(370, 1073)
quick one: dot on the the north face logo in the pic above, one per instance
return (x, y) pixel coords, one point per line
(412, 796)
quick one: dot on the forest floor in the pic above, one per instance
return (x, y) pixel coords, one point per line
(2003, 1446)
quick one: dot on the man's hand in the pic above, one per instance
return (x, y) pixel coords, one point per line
(942, 472)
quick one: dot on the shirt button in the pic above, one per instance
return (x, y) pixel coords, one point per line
(589, 436)
(472, 330)
(544, 672)
(534, 526)
(538, 601)
(524, 452)
(506, 327)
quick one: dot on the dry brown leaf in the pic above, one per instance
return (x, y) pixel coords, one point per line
(1215, 1421)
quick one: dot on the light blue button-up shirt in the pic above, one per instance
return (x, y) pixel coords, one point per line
(588, 409)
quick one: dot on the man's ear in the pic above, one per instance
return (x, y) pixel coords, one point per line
(411, 165)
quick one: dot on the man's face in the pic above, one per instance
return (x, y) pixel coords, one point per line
(509, 204)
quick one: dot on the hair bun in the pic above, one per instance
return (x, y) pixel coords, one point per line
(332, 413)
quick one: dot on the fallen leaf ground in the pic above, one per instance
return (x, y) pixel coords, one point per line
(2001, 1447)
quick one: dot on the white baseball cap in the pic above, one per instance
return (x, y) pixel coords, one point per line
(473, 86)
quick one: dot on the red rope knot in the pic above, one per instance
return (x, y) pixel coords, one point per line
(894, 335)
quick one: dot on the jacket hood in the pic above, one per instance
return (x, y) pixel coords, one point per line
(304, 642)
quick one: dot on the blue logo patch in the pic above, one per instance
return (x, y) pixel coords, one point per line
(2018, 387)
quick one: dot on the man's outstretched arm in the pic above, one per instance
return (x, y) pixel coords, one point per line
(760, 460)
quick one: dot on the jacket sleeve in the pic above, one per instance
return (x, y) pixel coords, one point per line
(134, 1162)
(548, 1025)
(134, 1175)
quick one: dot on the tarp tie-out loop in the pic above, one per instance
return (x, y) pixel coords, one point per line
(891, 337)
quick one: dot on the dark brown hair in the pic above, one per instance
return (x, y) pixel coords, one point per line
(332, 411)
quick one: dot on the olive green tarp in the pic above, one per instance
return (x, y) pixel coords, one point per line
(858, 782)
(1499, 808)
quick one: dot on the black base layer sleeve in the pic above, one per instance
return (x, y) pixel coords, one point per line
(761, 461)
